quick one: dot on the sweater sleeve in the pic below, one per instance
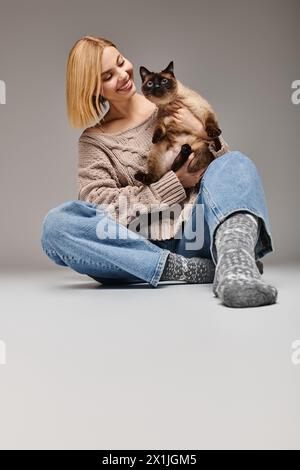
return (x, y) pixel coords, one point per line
(223, 149)
(98, 183)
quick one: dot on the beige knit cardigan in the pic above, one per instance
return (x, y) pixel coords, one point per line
(106, 168)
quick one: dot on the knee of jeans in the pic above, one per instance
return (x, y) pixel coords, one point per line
(241, 157)
(53, 226)
(234, 155)
(237, 162)
(63, 219)
(245, 167)
(77, 207)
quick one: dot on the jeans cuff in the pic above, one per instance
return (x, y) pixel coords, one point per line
(264, 243)
(159, 268)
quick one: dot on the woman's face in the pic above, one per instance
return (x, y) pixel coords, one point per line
(117, 71)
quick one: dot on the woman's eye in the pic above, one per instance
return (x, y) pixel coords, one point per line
(108, 78)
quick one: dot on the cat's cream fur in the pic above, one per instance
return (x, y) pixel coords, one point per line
(168, 137)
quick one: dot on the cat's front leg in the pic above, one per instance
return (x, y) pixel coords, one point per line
(182, 157)
(159, 134)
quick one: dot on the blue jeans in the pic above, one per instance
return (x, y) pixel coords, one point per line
(230, 184)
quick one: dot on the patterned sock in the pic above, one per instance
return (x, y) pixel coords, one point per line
(192, 270)
(237, 278)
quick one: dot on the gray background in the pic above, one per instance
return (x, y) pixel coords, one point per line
(241, 55)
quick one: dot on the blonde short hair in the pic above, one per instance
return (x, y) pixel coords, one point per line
(83, 81)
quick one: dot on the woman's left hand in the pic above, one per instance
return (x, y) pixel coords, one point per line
(186, 120)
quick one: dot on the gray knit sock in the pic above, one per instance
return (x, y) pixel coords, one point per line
(237, 278)
(192, 270)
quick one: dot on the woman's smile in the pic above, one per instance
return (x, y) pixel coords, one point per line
(126, 87)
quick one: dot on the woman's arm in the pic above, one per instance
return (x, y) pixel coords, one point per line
(98, 183)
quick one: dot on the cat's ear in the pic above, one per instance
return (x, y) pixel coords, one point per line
(144, 72)
(170, 68)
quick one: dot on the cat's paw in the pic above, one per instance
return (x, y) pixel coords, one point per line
(217, 144)
(186, 150)
(213, 132)
(144, 178)
(140, 176)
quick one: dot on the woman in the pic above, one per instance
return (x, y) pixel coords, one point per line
(81, 234)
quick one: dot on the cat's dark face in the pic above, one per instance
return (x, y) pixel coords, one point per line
(160, 88)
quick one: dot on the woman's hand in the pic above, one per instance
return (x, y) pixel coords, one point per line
(185, 119)
(189, 180)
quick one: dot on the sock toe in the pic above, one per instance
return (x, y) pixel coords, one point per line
(238, 275)
(252, 294)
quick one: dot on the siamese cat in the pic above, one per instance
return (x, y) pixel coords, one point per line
(169, 94)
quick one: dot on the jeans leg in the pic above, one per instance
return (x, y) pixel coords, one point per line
(83, 236)
(168, 244)
(230, 184)
(194, 239)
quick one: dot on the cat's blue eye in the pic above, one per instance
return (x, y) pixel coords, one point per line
(164, 81)
(149, 83)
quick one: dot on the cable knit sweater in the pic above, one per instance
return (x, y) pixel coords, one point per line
(106, 168)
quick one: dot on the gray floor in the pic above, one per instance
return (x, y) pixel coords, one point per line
(133, 367)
